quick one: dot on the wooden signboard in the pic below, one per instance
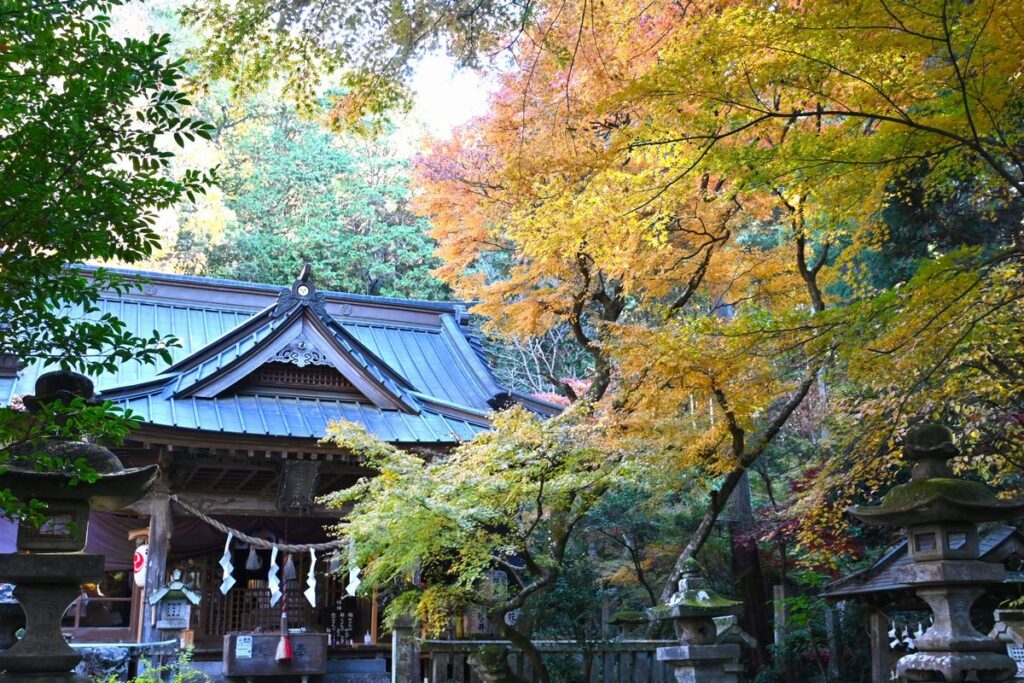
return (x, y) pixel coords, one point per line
(252, 654)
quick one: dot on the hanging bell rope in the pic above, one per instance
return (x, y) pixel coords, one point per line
(258, 542)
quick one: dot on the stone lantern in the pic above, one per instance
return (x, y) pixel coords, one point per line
(940, 513)
(698, 658)
(50, 566)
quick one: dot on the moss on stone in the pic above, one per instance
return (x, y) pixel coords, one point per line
(701, 599)
(627, 616)
(916, 493)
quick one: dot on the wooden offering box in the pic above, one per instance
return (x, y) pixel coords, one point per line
(252, 654)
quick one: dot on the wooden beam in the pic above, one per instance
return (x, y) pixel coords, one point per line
(179, 438)
(242, 484)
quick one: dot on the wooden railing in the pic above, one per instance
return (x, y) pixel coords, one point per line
(617, 661)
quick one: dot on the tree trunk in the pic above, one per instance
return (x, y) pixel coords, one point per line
(719, 497)
(524, 643)
(746, 569)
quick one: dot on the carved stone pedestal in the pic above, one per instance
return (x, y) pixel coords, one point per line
(702, 663)
(45, 584)
(952, 649)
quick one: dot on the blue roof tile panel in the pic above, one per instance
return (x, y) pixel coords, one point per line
(424, 358)
(412, 359)
(299, 417)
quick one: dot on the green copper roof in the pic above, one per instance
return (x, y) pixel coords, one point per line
(417, 354)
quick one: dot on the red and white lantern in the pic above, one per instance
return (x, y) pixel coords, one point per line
(139, 564)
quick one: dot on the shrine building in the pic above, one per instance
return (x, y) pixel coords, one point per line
(236, 424)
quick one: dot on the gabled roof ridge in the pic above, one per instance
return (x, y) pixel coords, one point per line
(435, 404)
(254, 342)
(426, 304)
(255, 321)
(187, 375)
(482, 374)
(369, 361)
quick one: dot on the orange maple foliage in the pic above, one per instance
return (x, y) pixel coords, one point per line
(691, 188)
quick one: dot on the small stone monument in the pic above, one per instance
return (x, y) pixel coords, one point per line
(49, 568)
(941, 513)
(698, 658)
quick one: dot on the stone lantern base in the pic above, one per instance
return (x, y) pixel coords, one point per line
(951, 649)
(44, 586)
(701, 663)
(956, 666)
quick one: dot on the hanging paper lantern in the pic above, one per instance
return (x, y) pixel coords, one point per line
(310, 591)
(225, 562)
(139, 565)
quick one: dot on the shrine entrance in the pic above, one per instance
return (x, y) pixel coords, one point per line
(198, 550)
(215, 498)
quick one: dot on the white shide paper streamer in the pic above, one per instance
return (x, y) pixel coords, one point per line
(310, 591)
(225, 562)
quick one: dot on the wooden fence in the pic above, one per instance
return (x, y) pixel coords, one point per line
(619, 661)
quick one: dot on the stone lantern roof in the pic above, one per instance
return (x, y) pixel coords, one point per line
(695, 599)
(114, 487)
(698, 658)
(933, 494)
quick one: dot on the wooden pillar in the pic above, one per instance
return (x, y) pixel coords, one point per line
(374, 619)
(833, 628)
(881, 671)
(160, 528)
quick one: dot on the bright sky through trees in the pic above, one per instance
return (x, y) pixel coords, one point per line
(447, 97)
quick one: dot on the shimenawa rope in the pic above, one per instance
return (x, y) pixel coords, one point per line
(258, 542)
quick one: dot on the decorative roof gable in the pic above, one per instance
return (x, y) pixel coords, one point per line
(297, 330)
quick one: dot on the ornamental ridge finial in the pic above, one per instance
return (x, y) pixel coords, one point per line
(304, 286)
(303, 292)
